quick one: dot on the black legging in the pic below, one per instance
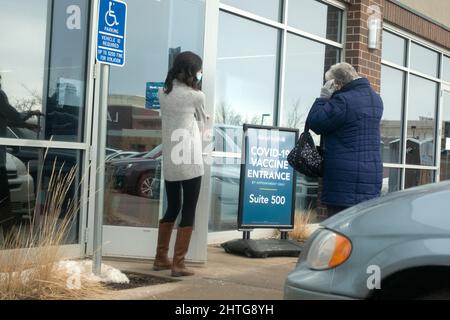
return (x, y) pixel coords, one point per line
(191, 191)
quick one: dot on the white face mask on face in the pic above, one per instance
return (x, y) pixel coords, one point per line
(199, 76)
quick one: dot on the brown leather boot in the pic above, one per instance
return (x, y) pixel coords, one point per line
(162, 261)
(181, 249)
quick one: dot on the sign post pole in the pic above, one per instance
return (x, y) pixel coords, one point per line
(111, 40)
(100, 178)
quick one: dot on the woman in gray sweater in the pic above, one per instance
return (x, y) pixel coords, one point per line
(183, 117)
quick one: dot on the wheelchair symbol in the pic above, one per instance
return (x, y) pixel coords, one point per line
(110, 16)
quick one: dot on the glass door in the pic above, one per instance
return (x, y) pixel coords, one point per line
(445, 140)
(134, 196)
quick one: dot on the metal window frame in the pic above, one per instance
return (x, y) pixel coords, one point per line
(444, 56)
(210, 47)
(93, 134)
(285, 30)
(441, 85)
(213, 9)
(283, 26)
(78, 249)
(406, 35)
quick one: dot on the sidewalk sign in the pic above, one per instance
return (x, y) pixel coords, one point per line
(267, 184)
(267, 192)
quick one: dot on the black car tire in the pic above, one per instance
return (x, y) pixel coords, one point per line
(144, 186)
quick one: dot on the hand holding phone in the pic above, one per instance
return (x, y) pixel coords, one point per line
(328, 89)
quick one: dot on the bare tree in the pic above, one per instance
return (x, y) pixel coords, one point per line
(296, 118)
(226, 115)
(32, 102)
(256, 119)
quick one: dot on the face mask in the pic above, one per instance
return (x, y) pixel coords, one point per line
(199, 76)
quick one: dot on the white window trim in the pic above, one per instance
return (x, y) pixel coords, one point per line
(414, 38)
(282, 26)
(410, 38)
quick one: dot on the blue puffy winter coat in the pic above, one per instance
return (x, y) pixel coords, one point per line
(349, 123)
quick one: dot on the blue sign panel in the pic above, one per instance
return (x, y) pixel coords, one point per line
(111, 32)
(151, 95)
(267, 193)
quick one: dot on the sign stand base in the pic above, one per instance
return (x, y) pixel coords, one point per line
(263, 248)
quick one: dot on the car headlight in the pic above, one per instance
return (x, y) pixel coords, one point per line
(130, 165)
(328, 250)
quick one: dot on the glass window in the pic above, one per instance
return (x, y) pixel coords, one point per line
(445, 141)
(317, 18)
(306, 63)
(245, 93)
(246, 75)
(266, 8)
(421, 121)
(415, 177)
(392, 180)
(446, 69)
(134, 196)
(225, 177)
(51, 77)
(31, 188)
(227, 138)
(306, 193)
(392, 92)
(424, 60)
(394, 48)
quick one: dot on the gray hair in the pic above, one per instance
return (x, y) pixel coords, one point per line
(342, 72)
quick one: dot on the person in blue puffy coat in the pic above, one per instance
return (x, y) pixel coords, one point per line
(347, 116)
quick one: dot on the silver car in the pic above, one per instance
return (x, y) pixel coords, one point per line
(21, 187)
(396, 246)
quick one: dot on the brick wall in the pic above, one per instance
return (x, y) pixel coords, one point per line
(366, 61)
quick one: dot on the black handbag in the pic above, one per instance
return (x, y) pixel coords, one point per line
(306, 158)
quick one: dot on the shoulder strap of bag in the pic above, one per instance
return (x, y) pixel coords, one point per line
(306, 127)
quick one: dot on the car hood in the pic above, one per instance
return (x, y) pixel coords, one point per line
(421, 211)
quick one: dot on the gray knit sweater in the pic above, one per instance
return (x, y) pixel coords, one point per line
(183, 115)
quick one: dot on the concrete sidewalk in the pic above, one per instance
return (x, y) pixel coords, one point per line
(224, 277)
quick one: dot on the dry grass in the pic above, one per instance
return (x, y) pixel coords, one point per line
(302, 221)
(30, 253)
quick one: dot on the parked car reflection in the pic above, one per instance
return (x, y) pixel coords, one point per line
(140, 175)
(135, 175)
(21, 187)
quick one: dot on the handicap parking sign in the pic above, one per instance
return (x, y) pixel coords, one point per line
(111, 32)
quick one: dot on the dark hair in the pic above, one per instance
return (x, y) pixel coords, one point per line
(185, 68)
